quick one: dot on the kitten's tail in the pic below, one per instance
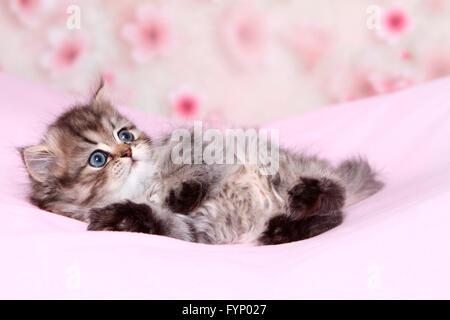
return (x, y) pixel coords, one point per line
(359, 178)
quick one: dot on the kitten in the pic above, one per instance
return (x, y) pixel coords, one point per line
(94, 165)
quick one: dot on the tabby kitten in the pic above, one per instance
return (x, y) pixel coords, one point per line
(94, 165)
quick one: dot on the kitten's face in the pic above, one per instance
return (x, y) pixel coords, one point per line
(90, 157)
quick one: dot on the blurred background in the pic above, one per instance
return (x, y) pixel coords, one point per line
(226, 61)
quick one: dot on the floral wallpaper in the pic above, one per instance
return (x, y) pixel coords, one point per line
(243, 62)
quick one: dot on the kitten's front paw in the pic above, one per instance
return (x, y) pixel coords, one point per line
(185, 197)
(125, 216)
(313, 196)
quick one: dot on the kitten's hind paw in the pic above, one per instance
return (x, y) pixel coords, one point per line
(312, 196)
(125, 216)
(283, 229)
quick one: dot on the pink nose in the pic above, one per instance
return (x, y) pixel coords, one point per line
(126, 153)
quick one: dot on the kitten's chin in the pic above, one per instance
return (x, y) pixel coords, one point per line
(134, 184)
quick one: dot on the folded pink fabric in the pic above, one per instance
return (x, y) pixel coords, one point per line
(396, 244)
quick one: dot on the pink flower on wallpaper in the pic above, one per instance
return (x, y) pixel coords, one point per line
(405, 55)
(149, 34)
(310, 44)
(29, 12)
(66, 51)
(395, 22)
(245, 34)
(353, 84)
(358, 86)
(344, 84)
(390, 83)
(185, 103)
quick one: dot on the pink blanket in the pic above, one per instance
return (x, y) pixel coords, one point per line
(395, 244)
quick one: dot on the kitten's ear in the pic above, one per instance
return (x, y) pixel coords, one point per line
(100, 100)
(99, 96)
(39, 161)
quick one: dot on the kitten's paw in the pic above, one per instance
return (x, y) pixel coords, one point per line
(186, 197)
(277, 231)
(125, 216)
(283, 229)
(314, 196)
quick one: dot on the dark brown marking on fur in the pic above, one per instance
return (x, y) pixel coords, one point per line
(88, 140)
(67, 180)
(275, 180)
(44, 194)
(229, 220)
(79, 119)
(313, 196)
(186, 197)
(113, 125)
(126, 216)
(129, 127)
(144, 138)
(283, 229)
(100, 180)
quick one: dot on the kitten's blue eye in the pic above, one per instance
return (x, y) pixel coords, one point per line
(125, 135)
(98, 159)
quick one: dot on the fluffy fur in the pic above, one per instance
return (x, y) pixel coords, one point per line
(141, 190)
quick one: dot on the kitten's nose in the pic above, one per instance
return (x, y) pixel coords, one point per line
(126, 153)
